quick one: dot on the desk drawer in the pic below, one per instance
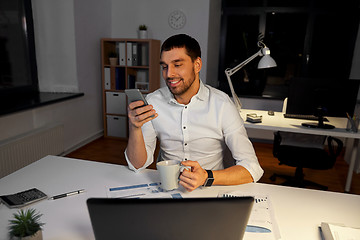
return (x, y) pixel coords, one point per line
(116, 126)
(116, 103)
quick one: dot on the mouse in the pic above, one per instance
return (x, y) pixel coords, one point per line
(271, 113)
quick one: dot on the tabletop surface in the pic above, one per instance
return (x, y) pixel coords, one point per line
(279, 123)
(298, 212)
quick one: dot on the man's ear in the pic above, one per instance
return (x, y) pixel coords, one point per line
(198, 65)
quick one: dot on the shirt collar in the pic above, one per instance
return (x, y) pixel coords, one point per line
(202, 94)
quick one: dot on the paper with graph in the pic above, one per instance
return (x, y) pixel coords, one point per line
(262, 224)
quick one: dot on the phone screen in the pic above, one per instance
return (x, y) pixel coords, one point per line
(135, 95)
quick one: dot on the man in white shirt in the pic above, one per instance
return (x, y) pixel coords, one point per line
(194, 123)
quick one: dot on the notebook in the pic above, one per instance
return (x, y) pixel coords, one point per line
(166, 218)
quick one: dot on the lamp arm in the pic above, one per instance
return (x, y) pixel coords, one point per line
(235, 97)
(230, 72)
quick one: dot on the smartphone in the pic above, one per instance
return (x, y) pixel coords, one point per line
(135, 95)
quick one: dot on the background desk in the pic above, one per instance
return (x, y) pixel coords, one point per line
(299, 212)
(279, 123)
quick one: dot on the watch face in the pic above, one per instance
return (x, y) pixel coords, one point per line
(177, 19)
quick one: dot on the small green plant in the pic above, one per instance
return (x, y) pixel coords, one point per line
(25, 223)
(112, 55)
(143, 27)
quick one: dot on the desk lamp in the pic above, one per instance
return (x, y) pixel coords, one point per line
(265, 62)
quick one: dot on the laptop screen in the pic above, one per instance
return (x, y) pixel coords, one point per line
(165, 218)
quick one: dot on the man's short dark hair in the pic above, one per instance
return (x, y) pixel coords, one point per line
(182, 40)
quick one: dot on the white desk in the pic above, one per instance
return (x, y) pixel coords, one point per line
(279, 123)
(298, 212)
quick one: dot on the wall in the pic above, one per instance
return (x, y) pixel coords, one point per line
(155, 13)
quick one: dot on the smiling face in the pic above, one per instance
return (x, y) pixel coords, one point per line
(181, 74)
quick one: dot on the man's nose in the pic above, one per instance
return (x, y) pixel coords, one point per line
(170, 72)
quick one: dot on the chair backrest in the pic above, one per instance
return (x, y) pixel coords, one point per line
(302, 140)
(304, 150)
(335, 150)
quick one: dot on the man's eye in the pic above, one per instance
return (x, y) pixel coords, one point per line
(177, 65)
(164, 67)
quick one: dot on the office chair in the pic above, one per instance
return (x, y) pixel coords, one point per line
(304, 151)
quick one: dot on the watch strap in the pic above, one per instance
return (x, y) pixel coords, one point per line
(210, 179)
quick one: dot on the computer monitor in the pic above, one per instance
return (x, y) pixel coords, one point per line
(322, 97)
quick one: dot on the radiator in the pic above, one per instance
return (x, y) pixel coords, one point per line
(27, 148)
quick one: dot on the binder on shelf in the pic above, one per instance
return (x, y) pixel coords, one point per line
(131, 81)
(144, 55)
(129, 54)
(135, 54)
(122, 59)
(107, 79)
(120, 79)
(117, 49)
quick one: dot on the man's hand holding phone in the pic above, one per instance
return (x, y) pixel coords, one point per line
(139, 111)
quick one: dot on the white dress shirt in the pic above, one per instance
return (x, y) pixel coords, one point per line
(198, 131)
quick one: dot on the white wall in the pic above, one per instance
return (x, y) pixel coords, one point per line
(126, 19)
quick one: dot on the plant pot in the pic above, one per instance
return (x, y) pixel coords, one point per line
(36, 236)
(113, 61)
(143, 34)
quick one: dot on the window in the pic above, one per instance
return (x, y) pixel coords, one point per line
(313, 38)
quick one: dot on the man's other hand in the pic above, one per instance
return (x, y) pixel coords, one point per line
(192, 179)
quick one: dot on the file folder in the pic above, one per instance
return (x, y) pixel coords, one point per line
(129, 54)
(107, 81)
(122, 59)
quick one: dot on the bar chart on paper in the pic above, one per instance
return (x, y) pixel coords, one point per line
(262, 224)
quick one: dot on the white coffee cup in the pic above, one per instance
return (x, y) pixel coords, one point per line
(169, 174)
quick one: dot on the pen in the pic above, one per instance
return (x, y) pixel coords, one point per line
(67, 194)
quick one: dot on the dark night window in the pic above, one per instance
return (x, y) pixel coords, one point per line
(311, 39)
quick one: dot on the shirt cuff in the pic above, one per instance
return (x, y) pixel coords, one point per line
(254, 169)
(131, 167)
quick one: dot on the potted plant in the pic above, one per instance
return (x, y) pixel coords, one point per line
(26, 225)
(143, 32)
(113, 58)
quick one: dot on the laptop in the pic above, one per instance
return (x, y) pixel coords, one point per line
(167, 218)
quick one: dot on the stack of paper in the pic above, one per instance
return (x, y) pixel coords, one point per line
(332, 231)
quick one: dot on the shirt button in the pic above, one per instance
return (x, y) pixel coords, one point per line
(185, 144)
(184, 127)
(185, 107)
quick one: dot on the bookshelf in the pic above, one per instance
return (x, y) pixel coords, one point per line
(137, 66)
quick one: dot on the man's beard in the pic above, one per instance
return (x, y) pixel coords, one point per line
(185, 87)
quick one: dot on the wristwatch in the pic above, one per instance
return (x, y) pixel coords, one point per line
(210, 179)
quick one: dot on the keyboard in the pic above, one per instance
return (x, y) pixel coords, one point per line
(23, 198)
(305, 117)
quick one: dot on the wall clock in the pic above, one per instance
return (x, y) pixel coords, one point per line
(177, 19)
